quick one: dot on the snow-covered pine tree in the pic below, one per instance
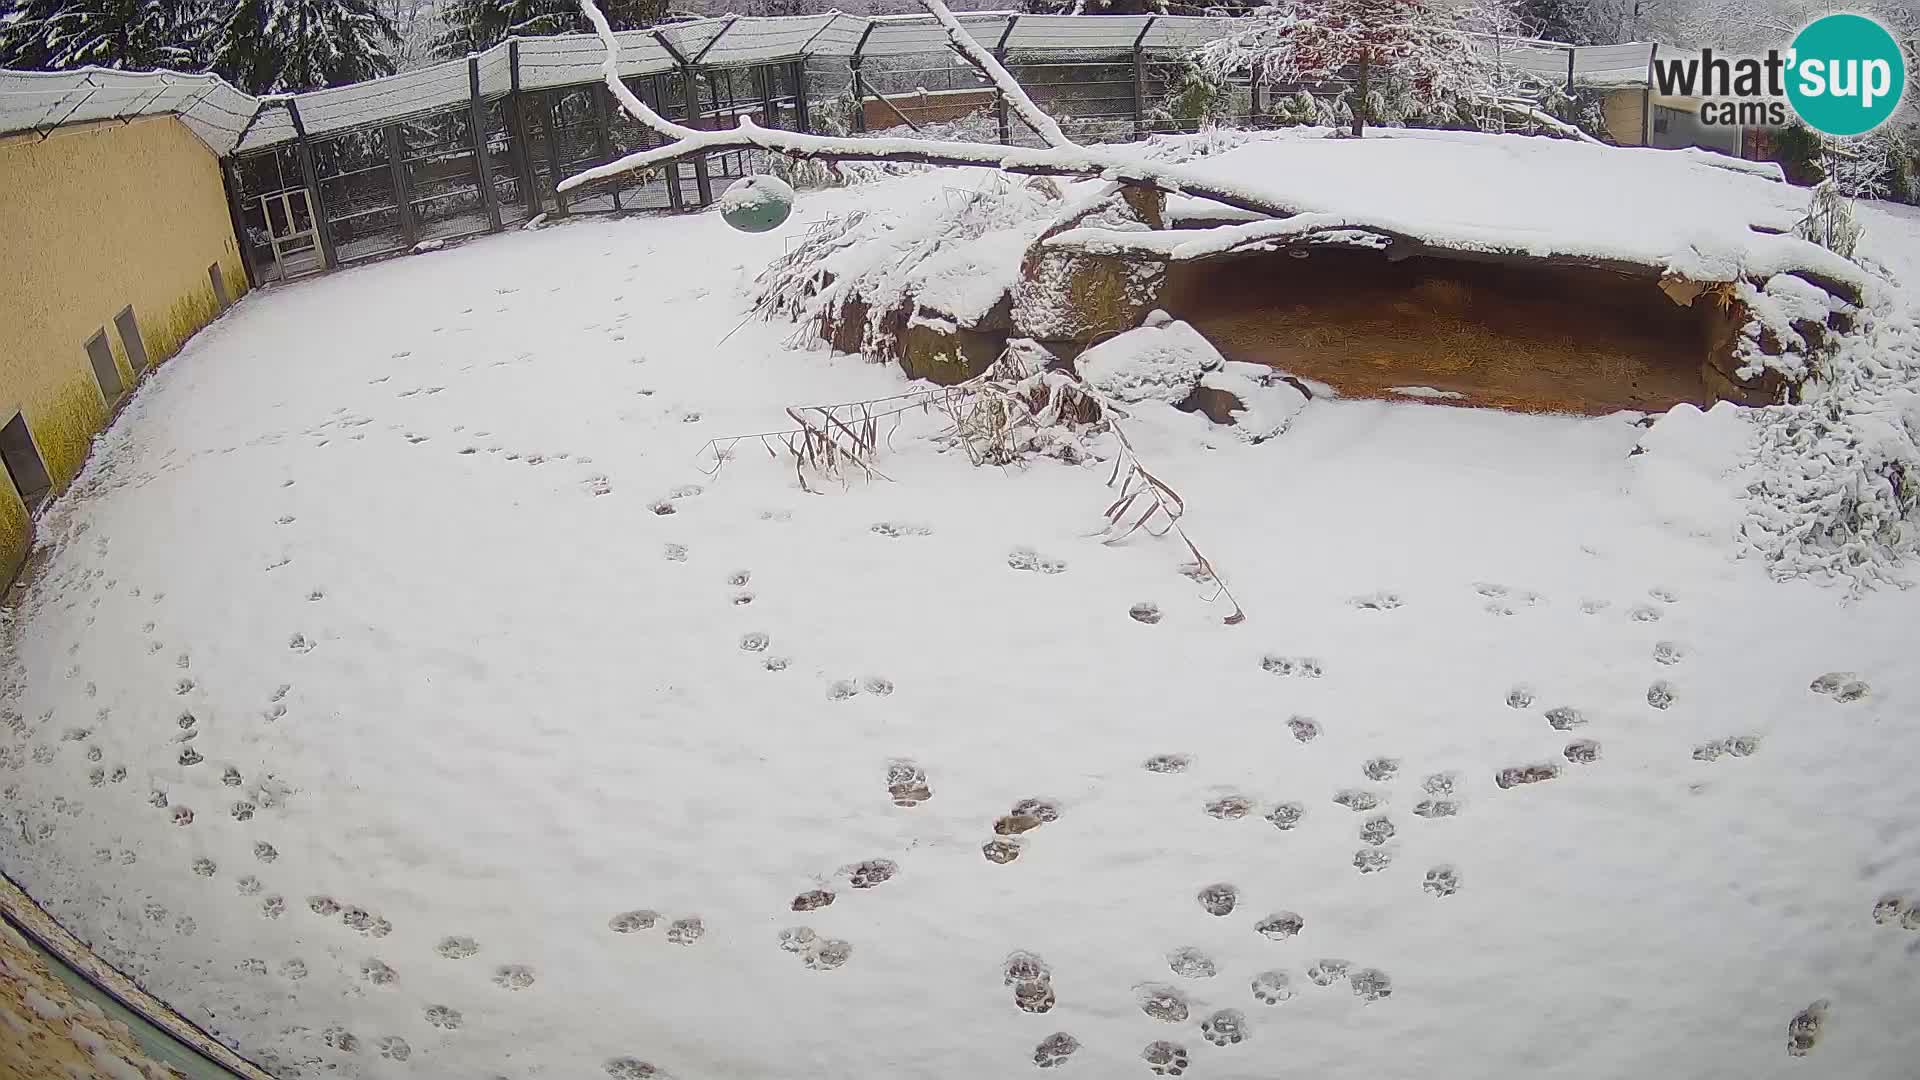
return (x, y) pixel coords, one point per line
(474, 25)
(1415, 47)
(274, 46)
(132, 35)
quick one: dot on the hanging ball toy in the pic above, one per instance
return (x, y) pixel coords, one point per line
(757, 203)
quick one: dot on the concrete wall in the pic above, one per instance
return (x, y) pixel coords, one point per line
(96, 217)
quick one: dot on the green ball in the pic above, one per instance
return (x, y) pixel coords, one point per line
(757, 204)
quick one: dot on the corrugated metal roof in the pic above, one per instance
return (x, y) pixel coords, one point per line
(41, 100)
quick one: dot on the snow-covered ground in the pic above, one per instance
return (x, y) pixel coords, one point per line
(395, 649)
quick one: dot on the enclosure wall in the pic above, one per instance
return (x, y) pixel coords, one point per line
(98, 218)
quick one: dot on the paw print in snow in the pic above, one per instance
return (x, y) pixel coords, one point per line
(1376, 601)
(189, 756)
(243, 810)
(1284, 816)
(1305, 729)
(394, 1048)
(674, 553)
(842, 689)
(877, 686)
(341, 1039)
(1520, 697)
(754, 642)
(1001, 850)
(230, 777)
(1280, 925)
(1164, 1058)
(300, 643)
(204, 867)
(323, 906)
(1229, 807)
(1377, 830)
(1168, 763)
(1372, 860)
(827, 954)
(513, 977)
(1582, 751)
(1841, 686)
(273, 907)
(1516, 775)
(1272, 987)
(183, 816)
(1565, 718)
(1663, 594)
(1357, 801)
(626, 1068)
(1225, 1027)
(293, 969)
(1660, 695)
(867, 874)
(444, 1017)
(1667, 652)
(1144, 612)
(774, 663)
(1381, 769)
(1370, 984)
(1643, 613)
(1304, 667)
(632, 922)
(1326, 972)
(686, 931)
(265, 852)
(377, 972)
(1218, 898)
(907, 783)
(894, 530)
(1190, 963)
(457, 947)
(1055, 1049)
(1163, 1003)
(1803, 1031)
(1442, 881)
(797, 939)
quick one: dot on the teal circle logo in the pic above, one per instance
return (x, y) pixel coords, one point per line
(1847, 76)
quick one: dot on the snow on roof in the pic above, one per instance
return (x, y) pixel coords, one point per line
(40, 100)
(1511, 194)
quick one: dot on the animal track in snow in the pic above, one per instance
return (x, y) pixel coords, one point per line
(1055, 1049)
(674, 552)
(230, 777)
(300, 643)
(1643, 613)
(1660, 694)
(1028, 559)
(1803, 1031)
(1582, 751)
(1436, 808)
(1288, 667)
(894, 530)
(1164, 1058)
(1375, 601)
(1229, 807)
(457, 947)
(394, 1048)
(877, 686)
(1515, 775)
(1001, 849)
(341, 1039)
(189, 756)
(686, 931)
(1163, 1003)
(753, 642)
(812, 900)
(1520, 697)
(1372, 860)
(265, 852)
(513, 976)
(1144, 612)
(1358, 801)
(1841, 686)
(632, 922)
(1736, 745)
(1662, 594)
(1669, 653)
(1326, 972)
(243, 810)
(1305, 729)
(444, 1017)
(826, 954)
(1891, 908)
(1031, 979)
(797, 939)
(842, 689)
(1190, 963)
(739, 578)
(293, 969)
(1442, 881)
(871, 872)
(1271, 987)
(1380, 769)
(1168, 763)
(183, 816)
(272, 907)
(626, 1068)
(1370, 984)
(1565, 718)
(774, 663)
(1280, 925)
(377, 972)
(1377, 830)
(1225, 1027)
(1284, 816)
(323, 906)
(1218, 898)
(204, 867)
(907, 783)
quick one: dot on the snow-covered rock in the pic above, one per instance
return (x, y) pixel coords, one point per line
(1160, 361)
(1685, 468)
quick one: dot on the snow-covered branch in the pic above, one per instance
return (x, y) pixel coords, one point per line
(1016, 95)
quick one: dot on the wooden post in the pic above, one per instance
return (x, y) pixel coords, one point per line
(530, 200)
(477, 124)
(675, 198)
(860, 80)
(603, 133)
(1360, 100)
(303, 149)
(403, 198)
(999, 97)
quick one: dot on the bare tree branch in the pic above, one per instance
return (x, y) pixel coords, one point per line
(1036, 117)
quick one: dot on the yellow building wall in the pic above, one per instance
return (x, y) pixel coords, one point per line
(1625, 114)
(93, 218)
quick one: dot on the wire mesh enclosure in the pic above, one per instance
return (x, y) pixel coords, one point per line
(351, 173)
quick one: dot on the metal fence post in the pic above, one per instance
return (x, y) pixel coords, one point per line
(675, 197)
(1140, 79)
(230, 179)
(602, 134)
(550, 114)
(517, 129)
(482, 171)
(803, 113)
(702, 181)
(402, 198)
(999, 96)
(303, 148)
